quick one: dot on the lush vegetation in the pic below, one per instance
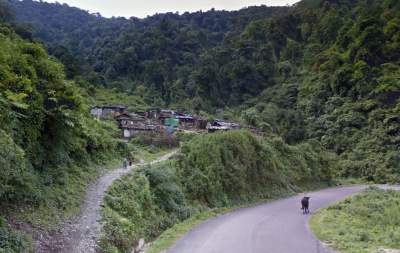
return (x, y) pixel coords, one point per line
(322, 74)
(45, 125)
(155, 56)
(50, 147)
(322, 69)
(368, 222)
(11, 241)
(211, 171)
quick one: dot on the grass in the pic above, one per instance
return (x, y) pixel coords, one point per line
(352, 181)
(13, 241)
(148, 154)
(365, 223)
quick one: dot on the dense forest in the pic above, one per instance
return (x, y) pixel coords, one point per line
(322, 69)
(156, 56)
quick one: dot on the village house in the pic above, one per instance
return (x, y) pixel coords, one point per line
(107, 111)
(132, 124)
(131, 130)
(221, 125)
(126, 119)
(186, 121)
(165, 114)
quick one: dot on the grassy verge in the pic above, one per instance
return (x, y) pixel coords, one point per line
(364, 223)
(150, 154)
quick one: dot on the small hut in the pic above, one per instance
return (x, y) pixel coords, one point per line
(107, 111)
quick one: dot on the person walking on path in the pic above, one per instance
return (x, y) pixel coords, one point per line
(125, 163)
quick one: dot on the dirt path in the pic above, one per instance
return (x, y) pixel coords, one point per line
(80, 234)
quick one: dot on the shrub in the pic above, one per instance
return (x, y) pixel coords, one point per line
(225, 168)
(15, 177)
(11, 241)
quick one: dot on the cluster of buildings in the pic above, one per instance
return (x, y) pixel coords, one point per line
(157, 120)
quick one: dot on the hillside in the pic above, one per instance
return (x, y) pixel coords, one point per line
(158, 53)
(50, 147)
(322, 69)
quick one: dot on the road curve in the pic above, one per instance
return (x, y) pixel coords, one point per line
(275, 227)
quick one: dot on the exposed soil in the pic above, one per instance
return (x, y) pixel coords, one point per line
(81, 233)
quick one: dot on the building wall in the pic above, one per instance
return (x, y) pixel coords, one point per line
(127, 133)
(96, 112)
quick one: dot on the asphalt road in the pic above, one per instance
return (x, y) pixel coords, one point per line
(275, 227)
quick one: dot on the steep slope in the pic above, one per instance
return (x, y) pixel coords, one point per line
(49, 144)
(44, 118)
(341, 83)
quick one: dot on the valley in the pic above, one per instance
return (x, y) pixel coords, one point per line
(257, 104)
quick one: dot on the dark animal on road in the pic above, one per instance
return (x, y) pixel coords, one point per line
(305, 202)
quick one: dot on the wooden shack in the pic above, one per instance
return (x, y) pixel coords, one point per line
(186, 121)
(129, 119)
(131, 130)
(165, 114)
(221, 125)
(107, 111)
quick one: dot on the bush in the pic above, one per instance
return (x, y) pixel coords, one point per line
(15, 177)
(231, 167)
(11, 241)
(141, 205)
(156, 139)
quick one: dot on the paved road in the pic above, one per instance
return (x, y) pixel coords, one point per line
(276, 227)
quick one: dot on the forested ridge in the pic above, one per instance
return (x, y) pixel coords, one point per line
(157, 54)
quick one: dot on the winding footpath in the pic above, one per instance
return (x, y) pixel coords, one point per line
(80, 234)
(275, 227)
